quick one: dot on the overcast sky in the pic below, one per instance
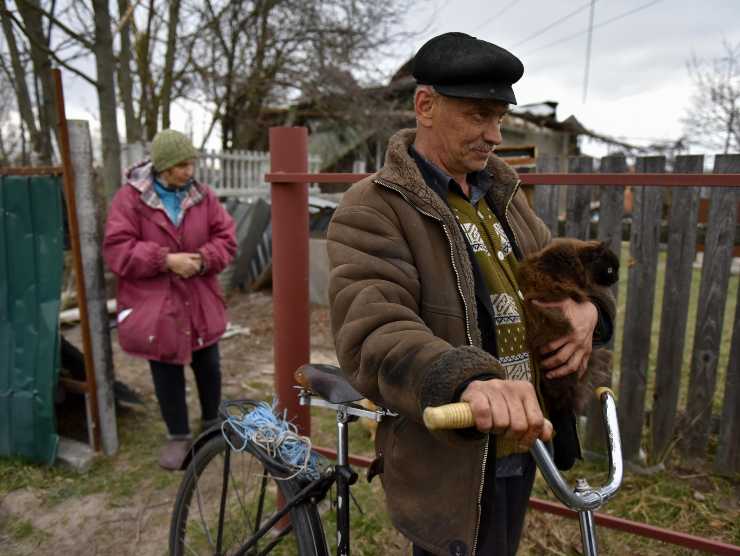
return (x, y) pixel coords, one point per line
(638, 86)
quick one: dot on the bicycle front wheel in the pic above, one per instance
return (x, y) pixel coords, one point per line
(226, 496)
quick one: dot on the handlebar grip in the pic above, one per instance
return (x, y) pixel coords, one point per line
(601, 390)
(450, 416)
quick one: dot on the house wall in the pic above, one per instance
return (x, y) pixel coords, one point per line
(547, 141)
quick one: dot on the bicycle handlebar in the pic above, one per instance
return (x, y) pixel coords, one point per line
(582, 497)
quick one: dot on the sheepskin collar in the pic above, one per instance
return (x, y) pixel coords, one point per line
(401, 170)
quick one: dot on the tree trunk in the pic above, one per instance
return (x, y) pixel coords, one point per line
(169, 62)
(125, 84)
(149, 103)
(21, 87)
(105, 65)
(48, 119)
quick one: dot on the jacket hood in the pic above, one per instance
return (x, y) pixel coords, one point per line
(140, 176)
(401, 170)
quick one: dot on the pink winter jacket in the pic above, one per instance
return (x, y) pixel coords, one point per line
(162, 316)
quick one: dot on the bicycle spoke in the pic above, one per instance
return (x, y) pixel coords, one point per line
(228, 505)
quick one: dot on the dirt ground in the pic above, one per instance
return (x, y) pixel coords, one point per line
(122, 505)
(132, 517)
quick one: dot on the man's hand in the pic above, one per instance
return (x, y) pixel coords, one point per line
(509, 407)
(184, 264)
(570, 353)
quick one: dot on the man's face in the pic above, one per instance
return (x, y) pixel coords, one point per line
(466, 131)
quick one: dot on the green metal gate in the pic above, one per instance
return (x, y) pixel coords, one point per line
(31, 263)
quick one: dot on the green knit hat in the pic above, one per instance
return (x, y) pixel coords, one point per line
(169, 148)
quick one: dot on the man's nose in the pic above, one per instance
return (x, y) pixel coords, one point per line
(492, 133)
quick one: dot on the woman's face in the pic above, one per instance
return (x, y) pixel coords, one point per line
(179, 174)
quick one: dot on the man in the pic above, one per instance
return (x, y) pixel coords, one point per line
(426, 310)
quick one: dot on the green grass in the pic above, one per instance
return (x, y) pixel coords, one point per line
(120, 476)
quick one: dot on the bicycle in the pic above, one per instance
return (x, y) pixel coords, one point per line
(217, 512)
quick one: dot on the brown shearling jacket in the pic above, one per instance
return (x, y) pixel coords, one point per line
(404, 319)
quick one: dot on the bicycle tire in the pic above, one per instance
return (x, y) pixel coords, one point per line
(193, 530)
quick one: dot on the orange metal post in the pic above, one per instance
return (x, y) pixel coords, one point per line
(289, 153)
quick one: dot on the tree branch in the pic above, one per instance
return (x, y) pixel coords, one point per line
(48, 51)
(55, 21)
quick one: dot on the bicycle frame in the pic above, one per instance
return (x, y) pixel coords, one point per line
(343, 473)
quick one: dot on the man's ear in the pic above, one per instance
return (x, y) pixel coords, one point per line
(424, 106)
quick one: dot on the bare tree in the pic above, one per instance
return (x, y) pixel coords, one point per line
(12, 148)
(105, 66)
(253, 56)
(713, 119)
(125, 80)
(32, 26)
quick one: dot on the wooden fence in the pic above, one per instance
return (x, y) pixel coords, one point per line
(665, 218)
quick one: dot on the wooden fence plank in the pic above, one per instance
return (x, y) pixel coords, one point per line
(715, 276)
(578, 211)
(611, 212)
(611, 206)
(644, 238)
(674, 313)
(727, 461)
(546, 197)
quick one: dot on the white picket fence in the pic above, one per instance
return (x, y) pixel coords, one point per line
(236, 173)
(240, 173)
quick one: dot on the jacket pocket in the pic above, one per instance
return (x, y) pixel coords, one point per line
(445, 322)
(169, 329)
(137, 328)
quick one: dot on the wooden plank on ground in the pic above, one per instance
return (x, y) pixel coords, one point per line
(611, 212)
(578, 212)
(546, 196)
(715, 277)
(674, 313)
(644, 238)
(727, 461)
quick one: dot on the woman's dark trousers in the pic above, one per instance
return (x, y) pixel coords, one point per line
(169, 386)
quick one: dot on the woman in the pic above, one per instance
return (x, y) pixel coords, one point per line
(167, 238)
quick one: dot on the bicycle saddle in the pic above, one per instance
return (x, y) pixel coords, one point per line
(328, 382)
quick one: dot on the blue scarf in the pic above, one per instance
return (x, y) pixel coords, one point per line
(171, 199)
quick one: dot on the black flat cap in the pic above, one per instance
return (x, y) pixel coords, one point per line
(458, 65)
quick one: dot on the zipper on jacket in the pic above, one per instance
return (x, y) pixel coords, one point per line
(388, 185)
(470, 342)
(506, 215)
(480, 496)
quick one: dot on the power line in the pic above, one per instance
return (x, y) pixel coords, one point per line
(588, 50)
(553, 24)
(601, 24)
(497, 14)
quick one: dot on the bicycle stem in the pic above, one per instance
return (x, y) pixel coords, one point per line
(585, 497)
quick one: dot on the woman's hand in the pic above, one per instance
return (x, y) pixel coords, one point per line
(570, 353)
(184, 264)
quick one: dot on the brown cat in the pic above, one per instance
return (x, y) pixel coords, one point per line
(565, 268)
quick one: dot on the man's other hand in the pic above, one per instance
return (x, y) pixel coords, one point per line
(570, 353)
(507, 407)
